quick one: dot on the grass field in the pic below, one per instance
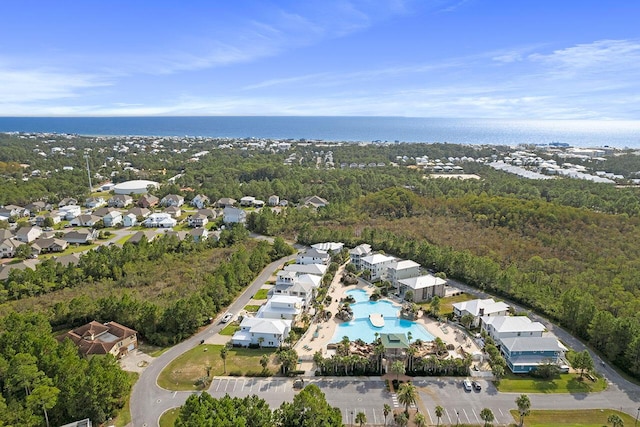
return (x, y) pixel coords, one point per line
(230, 329)
(169, 418)
(577, 418)
(446, 304)
(261, 294)
(565, 383)
(251, 308)
(182, 373)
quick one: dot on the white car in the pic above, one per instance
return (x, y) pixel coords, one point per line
(467, 385)
(227, 318)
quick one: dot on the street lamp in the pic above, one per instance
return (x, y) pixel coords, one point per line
(637, 414)
(352, 420)
(457, 418)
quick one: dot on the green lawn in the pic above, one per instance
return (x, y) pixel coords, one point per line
(71, 249)
(565, 383)
(169, 418)
(230, 329)
(261, 294)
(446, 304)
(182, 373)
(121, 241)
(577, 418)
(252, 308)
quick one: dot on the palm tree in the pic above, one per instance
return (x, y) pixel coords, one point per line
(386, 410)
(407, 395)
(524, 407)
(223, 356)
(615, 420)
(397, 368)
(264, 362)
(361, 418)
(487, 416)
(420, 420)
(260, 341)
(439, 413)
(402, 420)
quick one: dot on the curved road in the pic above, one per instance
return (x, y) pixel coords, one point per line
(148, 400)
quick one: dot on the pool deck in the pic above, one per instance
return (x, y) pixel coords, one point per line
(319, 334)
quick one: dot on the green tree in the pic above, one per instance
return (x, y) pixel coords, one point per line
(615, 420)
(397, 367)
(264, 362)
(407, 395)
(386, 410)
(420, 420)
(402, 419)
(487, 416)
(43, 398)
(583, 362)
(223, 355)
(310, 409)
(466, 320)
(361, 418)
(434, 306)
(524, 407)
(439, 413)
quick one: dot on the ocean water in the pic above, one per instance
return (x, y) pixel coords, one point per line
(350, 129)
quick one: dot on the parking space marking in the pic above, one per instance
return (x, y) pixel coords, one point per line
(447, 412)
(219, 382)
(465, 414)
(234, 385)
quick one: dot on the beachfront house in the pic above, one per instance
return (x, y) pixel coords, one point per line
(424, 288)
(479, 308)
(262, 332)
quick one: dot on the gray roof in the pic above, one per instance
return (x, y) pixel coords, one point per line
(532, 344)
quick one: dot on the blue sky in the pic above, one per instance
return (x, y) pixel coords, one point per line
(544, 59)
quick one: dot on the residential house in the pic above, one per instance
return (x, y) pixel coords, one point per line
(258, 203)
(376, 265)
(209, 213)
(40, 246)
(120, 201)
(160, 220)
(234, 216)
(180, 235)
(129, 220)
(8, 247)
(149, 236)
(314, 202)
(55, 217)
(199, 234)
(526, 354)
(247, 201)
(139, 212)
(5, 234)
(94, 202)
(112, 219)
(479, 308)
(5, 269)
(273, 200)
(317, 269)
(423, 288)
(200, 201)
(82, 423)
(281, 307)
(103, 211)
(13, 210)
(28, 234)
(262, 332)
(331, 247)
(69, 212)
(172, 200)
(356, 254)
(198, 220)
(82, 237)
(38, 206)
(226, 202)
(109, 338)
(65, 260)
(174, 211)
(501, 327)
(68, 201)
(402, 269)
(313, 256)
(85, 220)
(285, 278)
(148, 201)
(302, 286)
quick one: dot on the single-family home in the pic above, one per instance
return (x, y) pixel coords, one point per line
(83, 236)
(234, 216)
(225, 202)
(285, 278)
(180, 235)
(263, 332)
(209, 213)
(172, 200)
(129, 220)
(68, 201)
(38, 206)
(281, 307)
(314, 202)
(423, 287)
(199, 234)
(313, 256)
(120, 201)
(501, 327)
(148, 235)
(13, 210)
(69, 212)
(55, 218)
(359, 252)
(28, 234)
(257, 203)
(5, 269)
(65, 260)
(376, 265)
(402, 269)
(174, 211)
(247, 201)
(297, 288)
(198, 220)
(330, 247)
(103, 211)
(5, 234)
(97, 338)
(526, 354)
(86, 220)
(148, 201)
(317, 269)
(273, 200)
(8, 247)
(43, 246)
(112, 219)
(200, 201)
(160, 220)
(139, 212)
(94, 202)
(479, 308)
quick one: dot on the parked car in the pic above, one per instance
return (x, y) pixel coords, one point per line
(227, 318)
(467, 385)
(476, 385)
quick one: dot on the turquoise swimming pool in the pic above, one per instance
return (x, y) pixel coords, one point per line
(361, 328)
